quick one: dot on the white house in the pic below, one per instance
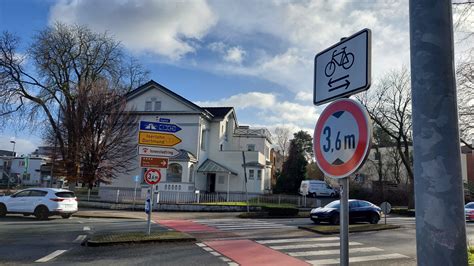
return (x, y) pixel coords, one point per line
(210, 152)
(27, 170)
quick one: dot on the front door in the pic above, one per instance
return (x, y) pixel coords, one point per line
(211, 181)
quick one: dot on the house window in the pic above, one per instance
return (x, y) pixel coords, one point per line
(148, 106)
(174, 173)
(203, 140)
(157, 106)
(251, 174)
(191, 173)
(250, 147)
(259, 174)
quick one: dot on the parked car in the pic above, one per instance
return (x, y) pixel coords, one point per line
(41, 202)
(469, 211)
(359, 211)
(317, 188)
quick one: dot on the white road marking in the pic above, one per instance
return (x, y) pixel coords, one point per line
(297, 240)
(80, 238)
(233, 264)
(86, 228)
(200, 244)
(208, 249)
(215, 253)
(51, 256)
(359, 259)
(81, 222)
(224, 259)
(332, 252)
(312, 245)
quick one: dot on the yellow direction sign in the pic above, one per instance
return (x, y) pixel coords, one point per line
(158, 139)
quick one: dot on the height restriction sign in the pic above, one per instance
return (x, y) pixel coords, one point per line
(342, 138)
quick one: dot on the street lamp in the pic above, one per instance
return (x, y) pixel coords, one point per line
(12, 140)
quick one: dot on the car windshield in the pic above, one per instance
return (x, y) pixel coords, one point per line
(333, 205)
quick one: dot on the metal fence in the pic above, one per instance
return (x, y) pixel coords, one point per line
(125, 195)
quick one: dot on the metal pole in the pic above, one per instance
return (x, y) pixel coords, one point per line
(152, 192)
(135, 195)
(344, 222)
(228, 180)
(245, 175)
(439, 202)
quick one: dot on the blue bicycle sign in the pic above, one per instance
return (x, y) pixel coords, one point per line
(339, 59)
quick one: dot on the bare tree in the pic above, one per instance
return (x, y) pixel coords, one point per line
(282, 139)
(68, 63)
(389, 106)
(465, 80)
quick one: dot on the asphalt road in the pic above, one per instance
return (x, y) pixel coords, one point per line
(26, 241)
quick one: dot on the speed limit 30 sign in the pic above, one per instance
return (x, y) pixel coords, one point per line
(342, 138)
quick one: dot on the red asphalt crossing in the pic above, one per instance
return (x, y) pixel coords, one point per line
(242, 251)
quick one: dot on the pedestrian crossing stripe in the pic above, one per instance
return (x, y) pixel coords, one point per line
(299, 240)
(359, 259)
(229, 225)
(332, 252)
(336, 244)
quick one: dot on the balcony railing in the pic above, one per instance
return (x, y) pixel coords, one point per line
(260, 132)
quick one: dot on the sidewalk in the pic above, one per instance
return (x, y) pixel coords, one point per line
(156, 215)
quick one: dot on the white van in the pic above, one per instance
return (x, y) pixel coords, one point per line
(317, 188)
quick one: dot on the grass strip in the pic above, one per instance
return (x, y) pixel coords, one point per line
(334, 229)
(138, 237)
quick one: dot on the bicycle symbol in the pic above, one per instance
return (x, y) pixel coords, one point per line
(345, 60)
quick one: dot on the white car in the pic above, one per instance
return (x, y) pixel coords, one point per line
(41, 202)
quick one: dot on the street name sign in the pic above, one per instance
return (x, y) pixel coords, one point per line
(152, 176)
(159, 127)
(343, 69)
(153, 162)
(342, 138)
(152, 151)
(159, 139)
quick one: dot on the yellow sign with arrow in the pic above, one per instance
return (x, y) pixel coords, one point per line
(157, 139)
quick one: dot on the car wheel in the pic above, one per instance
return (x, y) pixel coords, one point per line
(335, 219)
(332, 195)
(41, 213)
(374, 219)
(66, 216)
(3, 210)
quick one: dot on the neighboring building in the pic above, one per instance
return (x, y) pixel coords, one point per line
(467, 165)
(27, 171)
(210, 153)
(5, 163)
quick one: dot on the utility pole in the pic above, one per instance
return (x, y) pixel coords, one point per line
(439, 202)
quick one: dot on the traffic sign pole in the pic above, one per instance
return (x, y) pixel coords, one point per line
(344, 222)
(151, 210)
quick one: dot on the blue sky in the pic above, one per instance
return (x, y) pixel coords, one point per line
(254, 55)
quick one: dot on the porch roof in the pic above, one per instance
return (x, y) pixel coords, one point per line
(209, 166)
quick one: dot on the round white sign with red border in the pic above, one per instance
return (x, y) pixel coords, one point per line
(152, 176)
(342, 137)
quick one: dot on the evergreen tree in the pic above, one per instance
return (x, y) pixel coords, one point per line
(294, 169)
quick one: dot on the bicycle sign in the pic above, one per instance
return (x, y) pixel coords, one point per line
(343, 69)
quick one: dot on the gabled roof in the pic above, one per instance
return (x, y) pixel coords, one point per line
(136, 92)
(184, 155)
(209, 166)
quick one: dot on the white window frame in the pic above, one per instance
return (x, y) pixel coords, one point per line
(251, 174)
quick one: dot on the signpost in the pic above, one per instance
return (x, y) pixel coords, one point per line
(152, 177)
(159, 127)
(343, 131)
(157, 151)
(386, 208)
(343, 69)
(146, 162)
(158, 139)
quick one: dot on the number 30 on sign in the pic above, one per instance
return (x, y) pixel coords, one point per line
(342, 138)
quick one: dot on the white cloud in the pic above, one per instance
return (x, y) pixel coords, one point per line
(244, 100)
(158, 26)
(22, 146)
(234, 55)
(269, 110)
(304, 96)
